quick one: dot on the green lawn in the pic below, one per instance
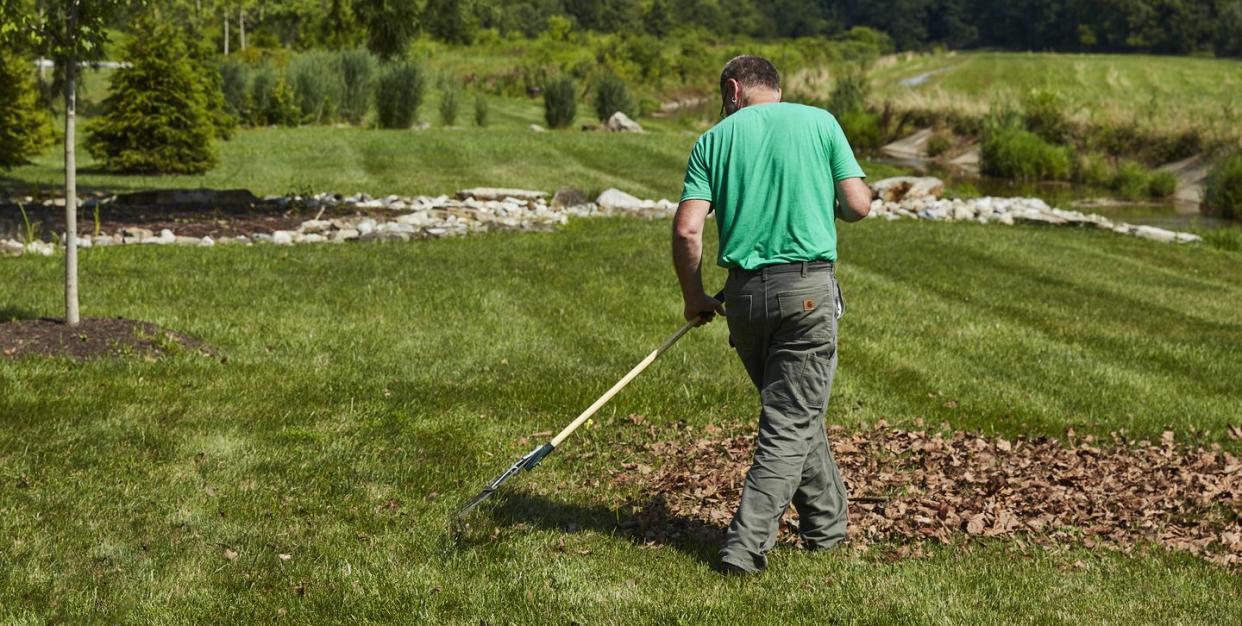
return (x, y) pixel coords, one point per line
(431, 162)
(368, 389)
(1168, 93)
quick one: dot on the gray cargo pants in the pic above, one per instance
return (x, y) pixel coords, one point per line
(782, 321)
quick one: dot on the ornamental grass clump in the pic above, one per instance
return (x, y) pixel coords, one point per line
(481, 110)
(449, 98)
(156, 119)
(398, 94)
(612, 95)
(357, 69)
(317, 86)
(560, 102)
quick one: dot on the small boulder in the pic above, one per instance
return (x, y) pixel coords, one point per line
(617, 200)
(535, 128)
(901, 188)
(621, 123)
(283, 237)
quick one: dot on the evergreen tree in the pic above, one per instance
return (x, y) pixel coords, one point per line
(25, 129)
(389, 25)
(157, 118)
(450, 21)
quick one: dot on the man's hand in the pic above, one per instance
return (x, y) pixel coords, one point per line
(703, 308)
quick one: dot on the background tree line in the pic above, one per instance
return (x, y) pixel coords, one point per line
(1157, 26)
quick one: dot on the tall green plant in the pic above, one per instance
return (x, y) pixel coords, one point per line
(449, 97)
(560, 102)
(156, 119)
(235, 79)
(358, 70)
(317, 85)
(612, 95)
(481, 110)
(25, 129)
(398, 95)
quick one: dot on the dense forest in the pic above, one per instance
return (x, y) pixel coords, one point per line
(1210, 27)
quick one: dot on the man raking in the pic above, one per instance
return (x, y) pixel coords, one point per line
(777, 176)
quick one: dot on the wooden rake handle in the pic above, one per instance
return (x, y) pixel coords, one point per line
(625, 380)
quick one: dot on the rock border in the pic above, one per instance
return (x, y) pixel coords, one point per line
(482, 210)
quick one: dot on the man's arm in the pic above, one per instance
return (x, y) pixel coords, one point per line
(688, 260)
(853, 199)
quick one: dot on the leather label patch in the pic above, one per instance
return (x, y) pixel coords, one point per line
(808, 305)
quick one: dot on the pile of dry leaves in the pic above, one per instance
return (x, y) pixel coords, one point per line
(912, 486)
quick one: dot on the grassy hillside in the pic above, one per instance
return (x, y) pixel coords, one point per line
(1165, 93)
(369, 388)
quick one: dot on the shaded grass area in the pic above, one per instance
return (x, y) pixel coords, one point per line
(367, 389)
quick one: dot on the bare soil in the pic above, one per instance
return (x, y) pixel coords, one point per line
(92, 338)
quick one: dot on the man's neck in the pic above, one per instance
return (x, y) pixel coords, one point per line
(760, 96)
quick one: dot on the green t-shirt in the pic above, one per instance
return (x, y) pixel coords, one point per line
(770, 172)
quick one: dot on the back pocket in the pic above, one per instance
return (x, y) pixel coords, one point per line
(807, 314)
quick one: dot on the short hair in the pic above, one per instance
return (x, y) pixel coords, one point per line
(750, 71)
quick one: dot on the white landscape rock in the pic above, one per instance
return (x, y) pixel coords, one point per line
(621, 123)
(615, 199)
(487, 209)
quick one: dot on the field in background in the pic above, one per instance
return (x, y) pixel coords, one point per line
(368, 389)
(437, 160)
(1166, 94)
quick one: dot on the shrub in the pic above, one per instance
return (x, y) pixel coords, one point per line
(262, 92)
(398, 95)
(272, 101)
(849, 94)
(1043, 113)
(1093, 169)
(560, 102)
(480, 110)
(235, 85)
(1131, 180)
(156, 119)
(1011, 152)
(316, 84)
(612, 95)
(357, 69)
(1223, 188)
(862, 129)
(25, 129)
(1161, 184)
(448, 105)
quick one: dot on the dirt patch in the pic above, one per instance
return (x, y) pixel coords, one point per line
(92, 338)
(910, 487)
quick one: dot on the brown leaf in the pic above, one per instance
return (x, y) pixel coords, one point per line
(230, 554)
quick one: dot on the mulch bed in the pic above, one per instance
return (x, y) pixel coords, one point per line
(911, 487)
(92, 338)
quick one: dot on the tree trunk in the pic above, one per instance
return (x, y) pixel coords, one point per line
(71, 182)
(241, 27)
(226, 32)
